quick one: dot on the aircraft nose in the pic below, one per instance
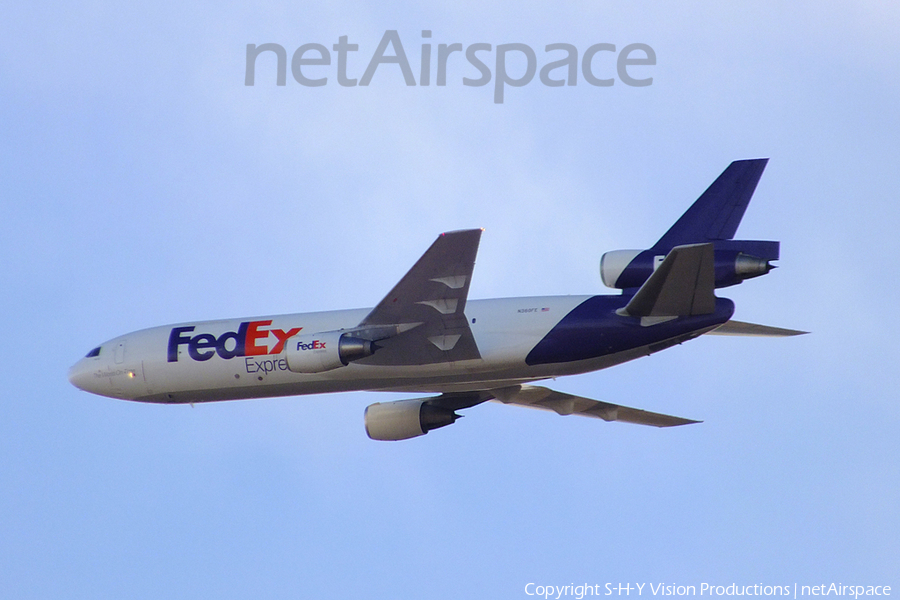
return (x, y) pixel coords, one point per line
(80, 376)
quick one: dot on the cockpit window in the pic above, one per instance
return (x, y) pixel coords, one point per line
(93, 353)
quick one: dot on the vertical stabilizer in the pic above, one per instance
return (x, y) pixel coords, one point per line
(716, 214)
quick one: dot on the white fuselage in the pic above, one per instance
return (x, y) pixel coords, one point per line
(139, 365)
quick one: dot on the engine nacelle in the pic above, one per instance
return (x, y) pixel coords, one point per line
(613, 263)
(735, 261)
(318, 352)
(404, 419)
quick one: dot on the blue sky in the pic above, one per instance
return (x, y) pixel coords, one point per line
(143, 183)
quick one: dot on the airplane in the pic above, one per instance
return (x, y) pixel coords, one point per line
(426, 337)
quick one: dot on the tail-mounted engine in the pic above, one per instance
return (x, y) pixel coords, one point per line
(735, 261)
(318, 352)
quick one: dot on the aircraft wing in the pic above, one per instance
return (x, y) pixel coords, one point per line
(426, 309)
(403, 419)
(534, 396)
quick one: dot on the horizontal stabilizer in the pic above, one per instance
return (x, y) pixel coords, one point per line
(682, 286)
(533, 396)
(752, 329)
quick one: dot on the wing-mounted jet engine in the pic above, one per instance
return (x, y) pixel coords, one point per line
(318, 352)
(405, 419)
(721, 206)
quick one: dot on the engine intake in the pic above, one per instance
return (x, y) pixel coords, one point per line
(318, 352)
(405, 419)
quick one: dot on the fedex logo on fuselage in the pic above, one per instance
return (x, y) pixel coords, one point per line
(248, 340)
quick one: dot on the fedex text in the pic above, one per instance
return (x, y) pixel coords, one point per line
(251, 339)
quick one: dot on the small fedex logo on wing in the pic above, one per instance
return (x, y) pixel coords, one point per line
(251, 339)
